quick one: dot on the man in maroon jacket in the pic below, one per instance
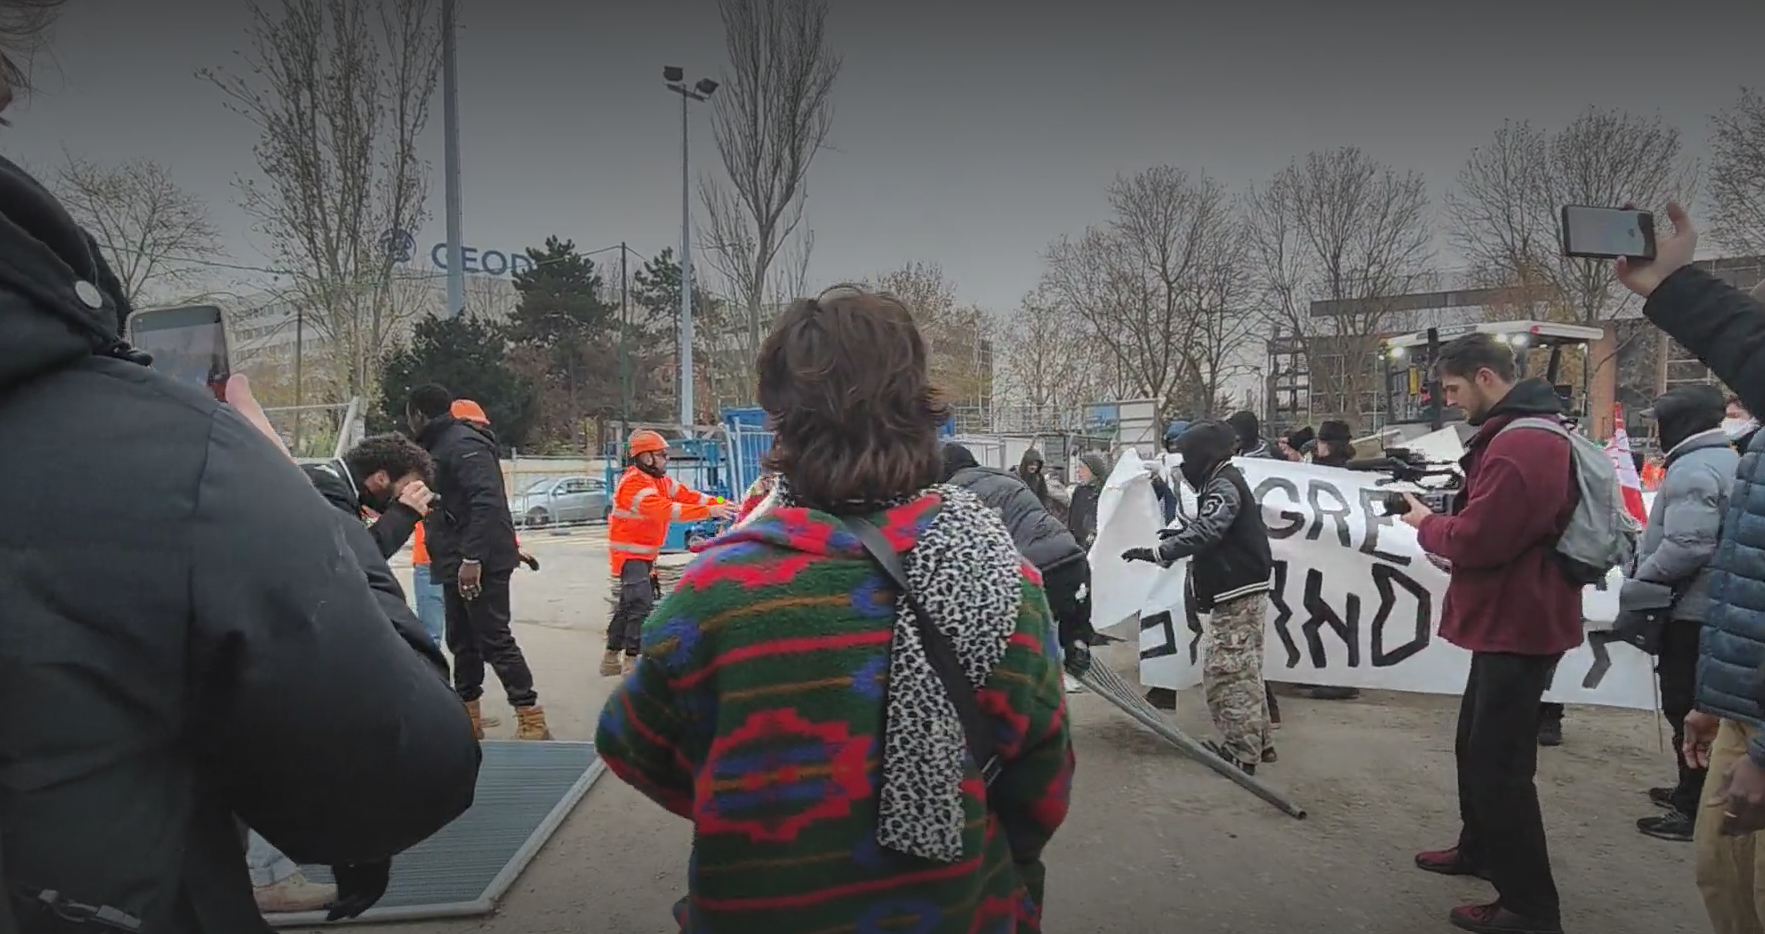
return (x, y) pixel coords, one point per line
(1514, 607)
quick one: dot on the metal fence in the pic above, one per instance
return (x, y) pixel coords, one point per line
(318, 432)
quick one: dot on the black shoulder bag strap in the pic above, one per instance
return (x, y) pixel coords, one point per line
(976, 727)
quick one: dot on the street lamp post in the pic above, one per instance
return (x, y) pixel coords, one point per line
(450, 129)
(700, 91)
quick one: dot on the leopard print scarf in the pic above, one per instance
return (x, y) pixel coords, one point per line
(966, 572)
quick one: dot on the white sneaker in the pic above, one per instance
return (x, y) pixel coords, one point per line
(1072, 684)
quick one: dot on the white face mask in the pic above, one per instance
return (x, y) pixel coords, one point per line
(1737, 428)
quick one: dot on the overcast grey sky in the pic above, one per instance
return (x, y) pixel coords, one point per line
(968, 134)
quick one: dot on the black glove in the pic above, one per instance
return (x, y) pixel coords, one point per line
(1140, 554)
(359, 886)
(531, 562)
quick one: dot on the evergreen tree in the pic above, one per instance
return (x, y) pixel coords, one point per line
(470, 358)
(564, 326)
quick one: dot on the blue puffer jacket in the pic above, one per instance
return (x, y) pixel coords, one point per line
(1725, 328)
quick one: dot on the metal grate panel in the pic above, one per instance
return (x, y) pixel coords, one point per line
(525, 790)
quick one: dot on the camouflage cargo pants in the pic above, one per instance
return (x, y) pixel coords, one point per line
(1231, 676)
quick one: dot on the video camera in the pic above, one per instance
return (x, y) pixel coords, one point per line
(1438, 483)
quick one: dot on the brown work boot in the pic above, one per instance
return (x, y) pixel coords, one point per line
(627, 665)
(295, 893)
(611, 667)
(477, 719)
(530, 723)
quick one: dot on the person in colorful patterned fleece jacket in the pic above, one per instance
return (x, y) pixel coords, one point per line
(784, 704)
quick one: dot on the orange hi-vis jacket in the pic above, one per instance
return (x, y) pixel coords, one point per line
(643, 507)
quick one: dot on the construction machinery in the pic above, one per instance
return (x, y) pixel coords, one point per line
(1413, 396)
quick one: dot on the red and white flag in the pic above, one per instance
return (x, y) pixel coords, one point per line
(1619, 450)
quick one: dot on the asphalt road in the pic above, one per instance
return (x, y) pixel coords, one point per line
(1155, 843)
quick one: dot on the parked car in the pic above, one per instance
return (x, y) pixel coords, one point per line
(563, 500)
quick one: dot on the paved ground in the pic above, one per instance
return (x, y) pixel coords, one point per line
(1155, 843)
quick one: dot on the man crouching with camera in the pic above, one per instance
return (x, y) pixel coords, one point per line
(1515, 608)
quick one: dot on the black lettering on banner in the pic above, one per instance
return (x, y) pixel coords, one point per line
(1294, 520)
(1321, 614)
(1602, 659)
(1167, 645)
(1313, 491)
(1283, 614)
(1388, 580)
(1372, 511)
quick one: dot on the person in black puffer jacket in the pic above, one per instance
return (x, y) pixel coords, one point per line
(1041, 538)
(194, 639)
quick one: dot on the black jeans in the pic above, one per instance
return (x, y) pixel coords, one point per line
(1677, 667)
(478, 633)
(639, 589)
(1497, 752)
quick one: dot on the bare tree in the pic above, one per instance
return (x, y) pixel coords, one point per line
(1505, 215)
(958, 336)
(339, 93)
(155, 234)
(770, 117)
(1343, 227)
(1737, 174)
(1148, 283)
(1045, 362)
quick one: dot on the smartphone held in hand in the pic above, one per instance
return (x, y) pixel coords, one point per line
(187, 342)
(1608, 233)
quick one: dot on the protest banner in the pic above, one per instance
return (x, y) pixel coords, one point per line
(1355, 602)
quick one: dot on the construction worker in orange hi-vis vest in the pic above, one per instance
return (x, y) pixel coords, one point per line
(645, 503)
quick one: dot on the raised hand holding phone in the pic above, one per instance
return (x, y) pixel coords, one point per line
(1673, 252)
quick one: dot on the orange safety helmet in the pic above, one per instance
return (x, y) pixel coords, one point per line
(645, 441)
(468, 411)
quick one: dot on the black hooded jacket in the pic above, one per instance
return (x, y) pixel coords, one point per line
(190, 630)
(1041, 538)
(471, 519)
(1033, 479)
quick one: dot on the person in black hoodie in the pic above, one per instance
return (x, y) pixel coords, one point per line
(473, 553)
(194, 639)
(1230, 573)
(1029, 470)
(1251, 443)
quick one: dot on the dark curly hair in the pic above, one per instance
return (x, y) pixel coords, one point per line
(396, 454)
(845, 385)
